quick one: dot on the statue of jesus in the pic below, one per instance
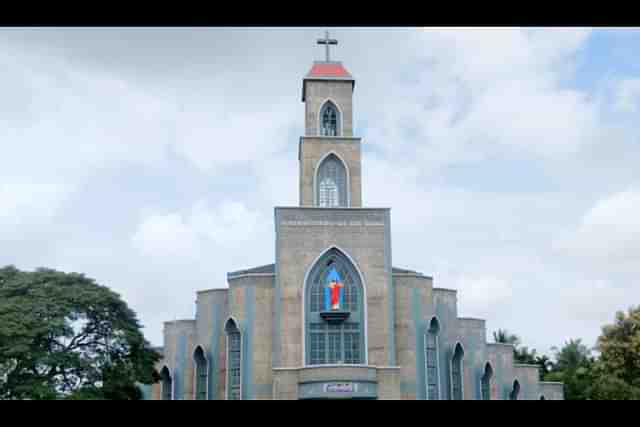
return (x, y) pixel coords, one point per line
(334, 286)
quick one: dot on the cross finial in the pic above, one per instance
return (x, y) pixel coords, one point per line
(326, 41)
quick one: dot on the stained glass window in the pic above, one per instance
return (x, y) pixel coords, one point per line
(456, 373)
(331, 183)
(329, 343)
(201, 374)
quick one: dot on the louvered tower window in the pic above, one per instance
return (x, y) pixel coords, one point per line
(329, 120)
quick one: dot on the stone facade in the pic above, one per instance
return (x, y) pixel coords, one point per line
(415, 345)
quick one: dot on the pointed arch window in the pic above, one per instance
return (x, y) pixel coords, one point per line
(456, 373)
(329, 120)
(234, 360)
(515, 391)
(432, 370)
(485, 382)
(166, 384)
(334, 343)
(331, 185)
(200, 362)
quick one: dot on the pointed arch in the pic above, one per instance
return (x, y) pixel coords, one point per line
(331, 181)
(166, 384)
(485, 381)
(431, 357)
(457, 370)
(515, 391)
(542, 397)
(324, 343)
(234, 359)
(330, 119)
(201, 374)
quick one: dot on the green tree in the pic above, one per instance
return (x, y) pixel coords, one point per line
(573, 367)
(64, 336)
(617, 371)
(503, 336)
(521, 354)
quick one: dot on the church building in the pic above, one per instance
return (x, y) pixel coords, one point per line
(332, 317)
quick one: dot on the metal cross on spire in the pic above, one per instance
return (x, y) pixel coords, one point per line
(326, 41)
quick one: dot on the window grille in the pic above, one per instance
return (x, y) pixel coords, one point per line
(332, 183)
(329, 120)
(456, 374)
(329, 343)
(234, 359)
(431, 361)
(201, 374)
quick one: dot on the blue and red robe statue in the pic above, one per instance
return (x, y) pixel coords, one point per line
(333, 291)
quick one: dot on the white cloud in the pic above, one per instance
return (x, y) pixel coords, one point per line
(25, 205)
(144, 123)
(227, 225)
(608, 234)
(627, 96)
(482, 92)
(479, 295)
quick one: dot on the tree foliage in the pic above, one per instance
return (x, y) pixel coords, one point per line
(64, 336)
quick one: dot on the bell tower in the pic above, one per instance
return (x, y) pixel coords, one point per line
(329, 154)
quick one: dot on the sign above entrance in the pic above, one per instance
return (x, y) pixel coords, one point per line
(340, 388)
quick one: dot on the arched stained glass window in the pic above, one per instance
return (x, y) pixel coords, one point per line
(485, 382)
(329, 120)
(200, 362)
(331, 185)
(432, 370)
(456, 373)
(234, 358)
(334, 343)
(166, 384)
(515, 392)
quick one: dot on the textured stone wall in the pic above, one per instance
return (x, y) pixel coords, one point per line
(339, 92)
(179, 338)
(313, 150)
(413, 311)
(211, 313)
(446, 310)
(251, 304)
(302, 236)
(551, 390)
(472, 335)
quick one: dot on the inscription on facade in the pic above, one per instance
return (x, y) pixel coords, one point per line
(325, 223)
(340, 388)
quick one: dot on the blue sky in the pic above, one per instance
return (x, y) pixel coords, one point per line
(151, 159)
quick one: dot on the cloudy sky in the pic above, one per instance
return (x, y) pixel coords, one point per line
(151, 160)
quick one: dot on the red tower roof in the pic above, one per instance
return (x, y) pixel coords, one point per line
(329, 71)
